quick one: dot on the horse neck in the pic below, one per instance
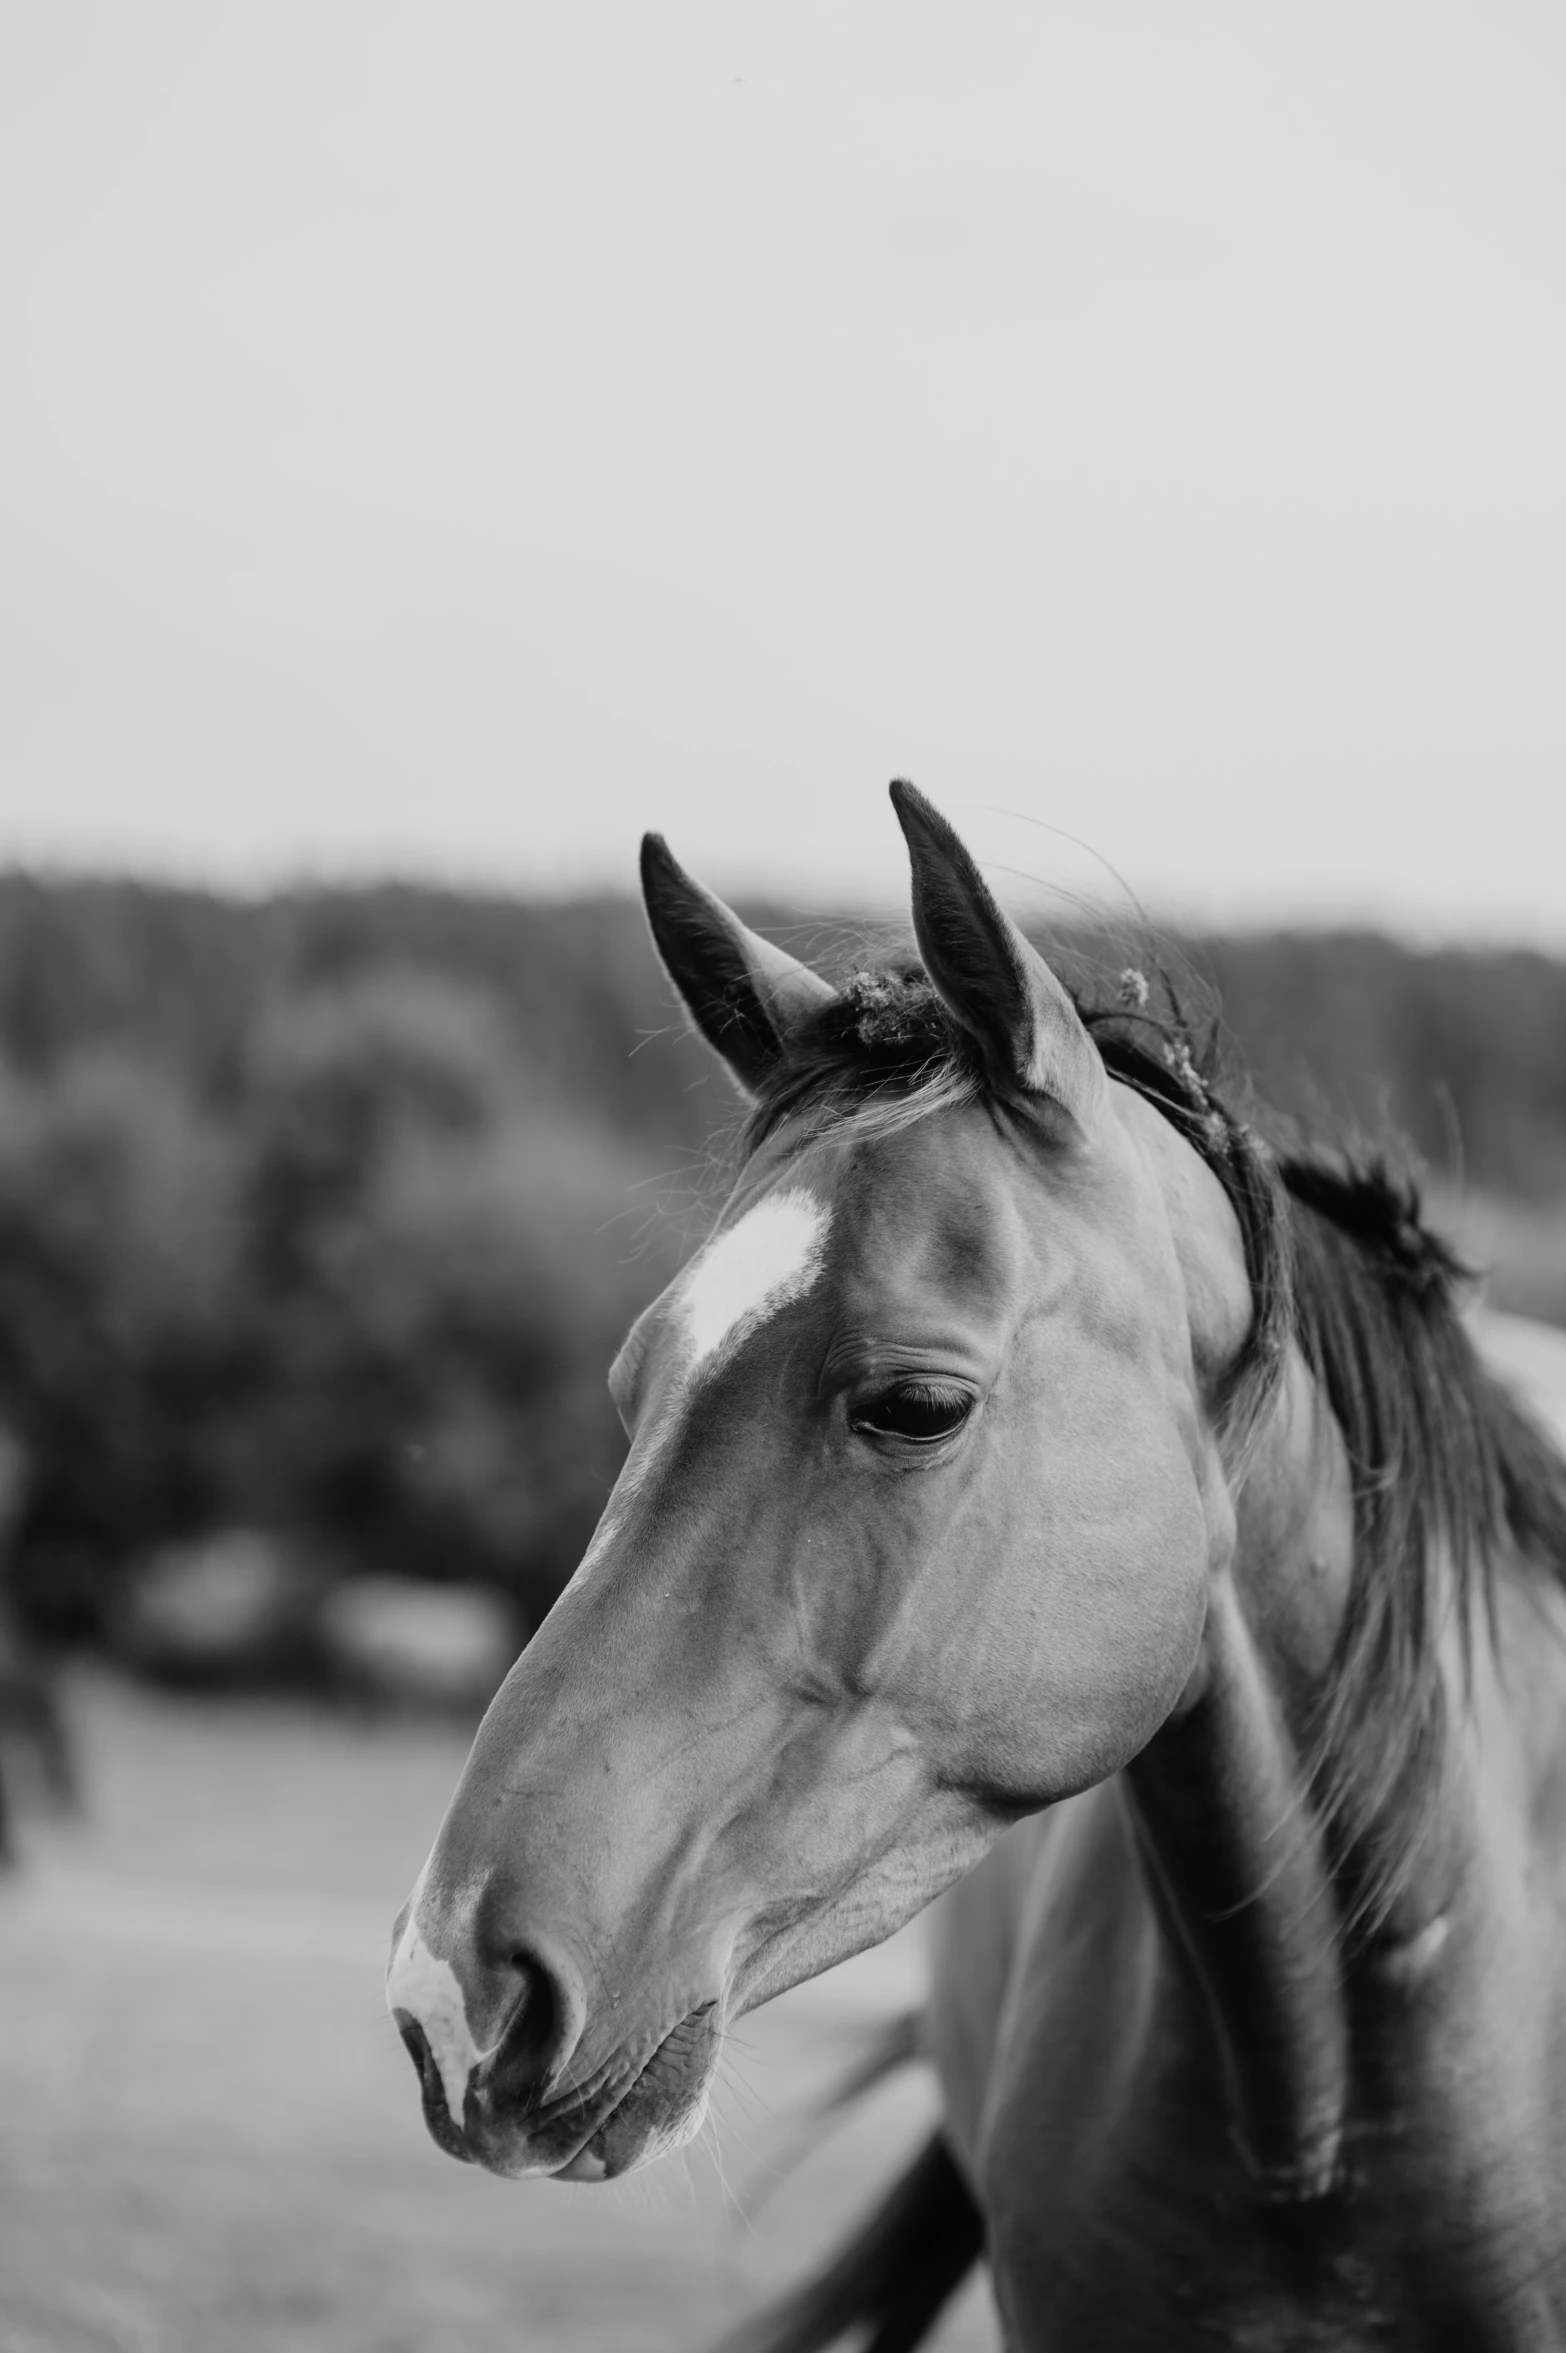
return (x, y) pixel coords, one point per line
(1240, 1866)
(1255, 1875)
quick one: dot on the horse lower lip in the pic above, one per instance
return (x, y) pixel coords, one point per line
(585, 2125)
(498, 2133)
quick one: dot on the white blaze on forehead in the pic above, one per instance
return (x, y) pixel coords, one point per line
(769, 1256)
(428, 1988)
(772, 1255)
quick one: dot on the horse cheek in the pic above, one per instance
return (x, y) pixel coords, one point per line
(1091, 1637)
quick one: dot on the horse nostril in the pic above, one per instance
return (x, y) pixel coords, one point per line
(417, 2045)
(537, 2033)
(415, 2040)
(444, 2127)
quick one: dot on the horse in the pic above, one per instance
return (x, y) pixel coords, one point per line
(1045, 1496)
(31, 1718)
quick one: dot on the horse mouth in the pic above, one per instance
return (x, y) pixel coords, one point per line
(620, 2123)
(661, 2107)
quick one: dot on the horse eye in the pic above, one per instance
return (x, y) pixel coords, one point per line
(919, 1410)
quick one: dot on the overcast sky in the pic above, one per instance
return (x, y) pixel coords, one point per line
(447, 439)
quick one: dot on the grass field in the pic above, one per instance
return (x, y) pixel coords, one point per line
(209, 2136)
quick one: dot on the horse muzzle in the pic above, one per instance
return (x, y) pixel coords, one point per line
(630, 2113)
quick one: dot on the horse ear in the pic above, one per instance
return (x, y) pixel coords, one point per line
(743, 994)
(991, 980)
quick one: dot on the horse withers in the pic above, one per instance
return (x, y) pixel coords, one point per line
(1039, 1491)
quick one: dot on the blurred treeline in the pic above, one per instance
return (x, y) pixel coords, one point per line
(323, 1215)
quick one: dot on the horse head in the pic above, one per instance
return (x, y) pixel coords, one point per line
(916, 1532)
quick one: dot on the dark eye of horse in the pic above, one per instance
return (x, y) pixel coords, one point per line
(919, 1410)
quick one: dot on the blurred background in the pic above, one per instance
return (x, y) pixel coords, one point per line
(436, 444)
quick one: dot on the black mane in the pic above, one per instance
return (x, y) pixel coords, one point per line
(1446, 1465)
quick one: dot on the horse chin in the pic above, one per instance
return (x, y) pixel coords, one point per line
(662, 2108)
(629, 2139)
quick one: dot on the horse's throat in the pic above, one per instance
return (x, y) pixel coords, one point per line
(1240, 1869)
(1237, 1850)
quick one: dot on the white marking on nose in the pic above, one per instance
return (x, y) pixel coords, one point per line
(772, 1255)
(429, 1989)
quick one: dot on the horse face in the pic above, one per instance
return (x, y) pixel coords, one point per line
(914, 1534)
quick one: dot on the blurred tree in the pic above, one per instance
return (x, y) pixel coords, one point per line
(117, 1292)
(436, 1308)
(337, 1078)
(494, 1286)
